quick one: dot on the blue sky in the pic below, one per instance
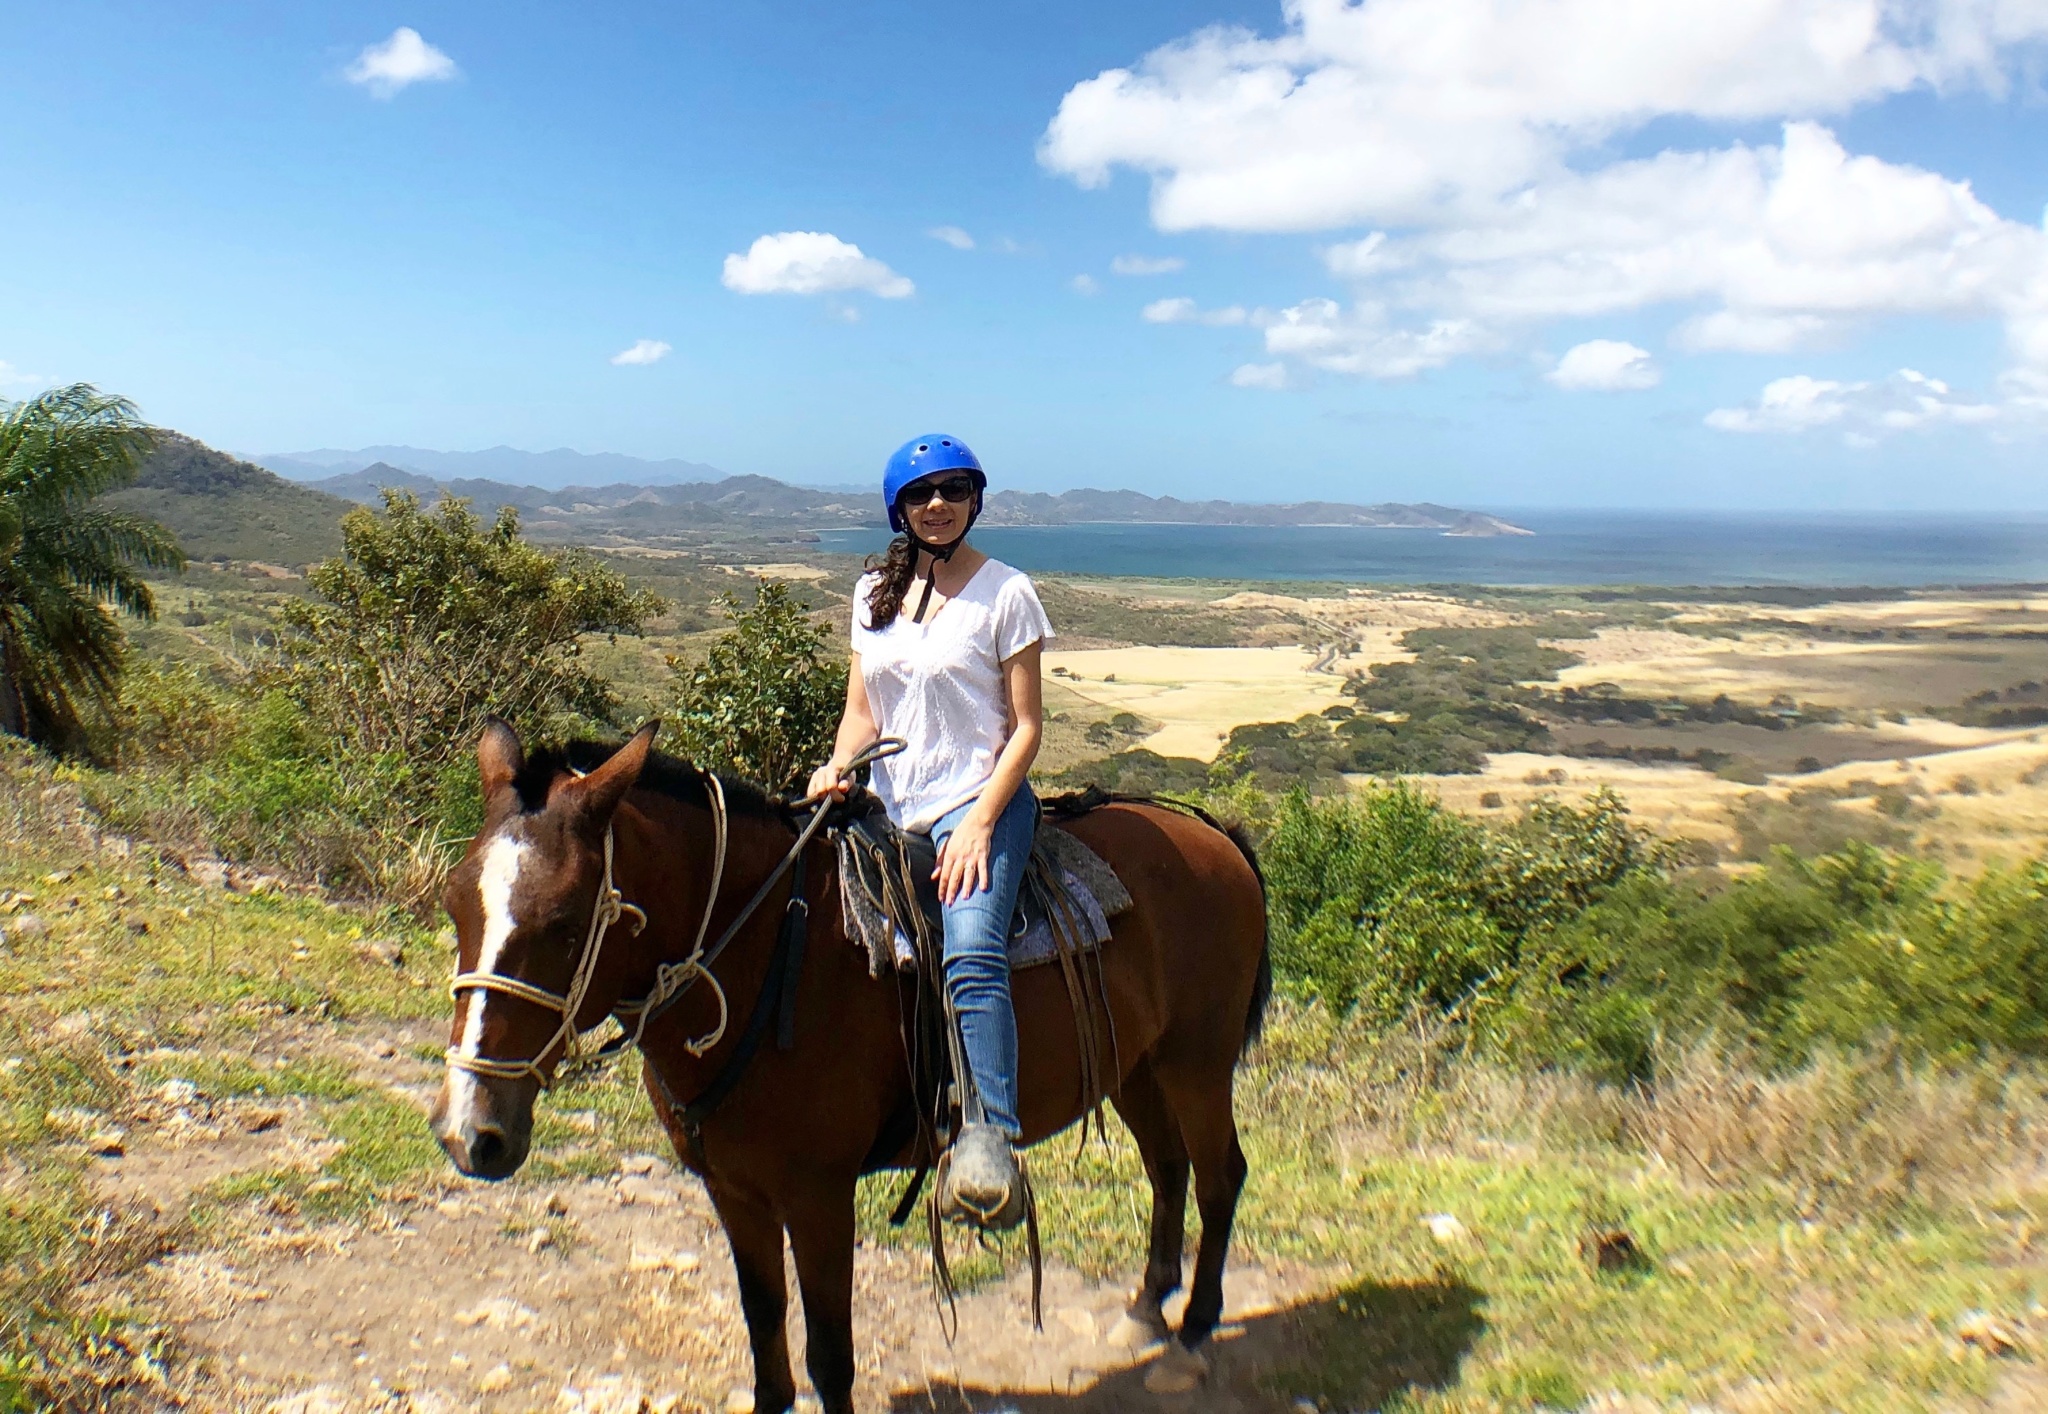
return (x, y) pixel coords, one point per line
(1484, 252)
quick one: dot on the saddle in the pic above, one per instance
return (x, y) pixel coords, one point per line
(891, 906)
(890, 899)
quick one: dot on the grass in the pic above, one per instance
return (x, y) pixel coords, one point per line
(1809, 1243)
(137, 977)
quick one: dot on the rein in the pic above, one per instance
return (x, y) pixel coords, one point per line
(672, 980)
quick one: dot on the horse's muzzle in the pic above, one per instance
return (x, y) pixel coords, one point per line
(485, 1127)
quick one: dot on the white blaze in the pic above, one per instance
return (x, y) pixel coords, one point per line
(495, 882)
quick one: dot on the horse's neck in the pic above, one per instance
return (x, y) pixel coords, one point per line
(665, 857)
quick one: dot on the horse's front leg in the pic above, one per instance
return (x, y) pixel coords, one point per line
(756, 1237)
(821, 1240)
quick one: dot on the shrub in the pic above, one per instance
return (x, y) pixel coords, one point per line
(1142, 772)
(429, 622)
(1387, 901)
(1808, 824)
(763, 702)
(1462, 698)
(1809, 955)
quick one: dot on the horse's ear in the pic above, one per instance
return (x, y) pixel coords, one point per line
(596, 795)
(499, 756)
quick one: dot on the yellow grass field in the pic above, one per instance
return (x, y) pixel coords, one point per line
(1199, 694)
(1977, 794)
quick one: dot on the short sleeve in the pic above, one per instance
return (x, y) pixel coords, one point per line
(1020, 618)
(860, 630)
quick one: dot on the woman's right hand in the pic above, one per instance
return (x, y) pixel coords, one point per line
(829, 779)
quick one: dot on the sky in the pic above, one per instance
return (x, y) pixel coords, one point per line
(1493, 253)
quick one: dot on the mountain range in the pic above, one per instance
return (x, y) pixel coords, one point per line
(548, 470)
(731, 500)
(224, 508)
(594, 489)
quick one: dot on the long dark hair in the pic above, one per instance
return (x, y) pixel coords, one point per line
(897, 568)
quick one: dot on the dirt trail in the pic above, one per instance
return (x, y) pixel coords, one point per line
(589, 1294)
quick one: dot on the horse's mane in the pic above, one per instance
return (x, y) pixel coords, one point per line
(664, 775)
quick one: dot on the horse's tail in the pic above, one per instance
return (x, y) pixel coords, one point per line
(1262, 984)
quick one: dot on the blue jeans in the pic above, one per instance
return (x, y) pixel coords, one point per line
(978, 956)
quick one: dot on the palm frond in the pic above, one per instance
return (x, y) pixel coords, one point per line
(63, 560)
(97, 550)
(66, 446)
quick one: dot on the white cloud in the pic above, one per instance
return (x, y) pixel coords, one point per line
(643, 351)
(1408, 111)
(1147, 264)
(1270, 376)
(1182, 310)
(1907, 401)
(952, 236)
(1789, 244)
(1605, 366)
(810, 263)
(399, 62)
(13, 379)
(1360, 340)
(1084, 285)
(1472, 140)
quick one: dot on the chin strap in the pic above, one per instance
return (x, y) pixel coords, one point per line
(937, 553)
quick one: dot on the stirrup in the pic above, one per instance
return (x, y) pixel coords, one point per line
(980, 1183)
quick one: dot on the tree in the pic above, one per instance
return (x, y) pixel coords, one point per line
(429, 621)
(63, 560)
(763, 702)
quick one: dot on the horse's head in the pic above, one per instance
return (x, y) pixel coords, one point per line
(522, 900)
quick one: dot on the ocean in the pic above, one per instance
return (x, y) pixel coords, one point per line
(1569, 547)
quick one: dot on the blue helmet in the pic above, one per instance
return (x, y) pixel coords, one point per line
(925, 456)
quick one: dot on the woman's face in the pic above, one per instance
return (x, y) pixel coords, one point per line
(936, 520)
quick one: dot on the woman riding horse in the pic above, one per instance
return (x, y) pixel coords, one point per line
(611, 881)
(957, 680)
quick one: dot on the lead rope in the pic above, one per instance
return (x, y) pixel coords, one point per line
(671, 978)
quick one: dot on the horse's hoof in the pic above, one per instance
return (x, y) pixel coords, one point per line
(1131, 1333)
(1177, 1370)
(738, 1401)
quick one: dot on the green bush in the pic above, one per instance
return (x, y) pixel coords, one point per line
(1567, 937)
(429, 621)
(1388, 901)
(763, 702)
(1829, 953)
(347, 755)
(1463, 697)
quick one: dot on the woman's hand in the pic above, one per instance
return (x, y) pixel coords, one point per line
(963, 860)
(829, 779)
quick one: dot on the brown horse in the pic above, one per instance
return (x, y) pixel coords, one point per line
(1186, 976)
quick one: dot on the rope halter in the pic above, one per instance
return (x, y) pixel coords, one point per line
(610, 905)
(671, 979)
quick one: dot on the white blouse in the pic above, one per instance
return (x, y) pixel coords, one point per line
(939, 686)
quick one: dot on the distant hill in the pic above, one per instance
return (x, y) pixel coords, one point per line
(737, 501)
(1078, 507)
(223, 508)
(548, 470)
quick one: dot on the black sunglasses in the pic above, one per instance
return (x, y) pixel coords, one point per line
(919, 493)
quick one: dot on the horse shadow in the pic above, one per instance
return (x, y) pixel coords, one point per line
(1356, 1348)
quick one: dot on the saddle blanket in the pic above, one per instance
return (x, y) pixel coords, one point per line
(1067, 887)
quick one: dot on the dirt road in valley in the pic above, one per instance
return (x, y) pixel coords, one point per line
(609, 1293)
